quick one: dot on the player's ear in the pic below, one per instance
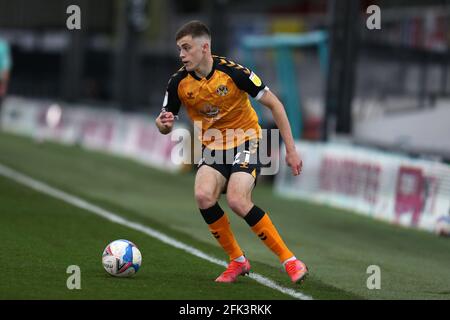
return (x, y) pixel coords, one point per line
(205, 47)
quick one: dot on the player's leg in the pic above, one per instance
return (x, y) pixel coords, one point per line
(209, 184)
(239, 190)
(239, 199)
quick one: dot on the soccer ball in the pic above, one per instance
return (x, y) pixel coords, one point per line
(121, 258)
(442, 226)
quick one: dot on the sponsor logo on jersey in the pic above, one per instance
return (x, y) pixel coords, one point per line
(209, 111)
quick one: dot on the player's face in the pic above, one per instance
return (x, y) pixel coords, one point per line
(191, 51)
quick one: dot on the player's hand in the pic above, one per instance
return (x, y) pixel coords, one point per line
(167, 119)
(294, 162)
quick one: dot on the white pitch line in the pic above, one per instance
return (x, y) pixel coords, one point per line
(83, 204)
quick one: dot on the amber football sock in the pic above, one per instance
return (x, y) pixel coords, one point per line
(219, 225)
(261, 224)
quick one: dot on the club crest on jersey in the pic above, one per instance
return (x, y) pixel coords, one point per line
(209, 111)
(222, 90)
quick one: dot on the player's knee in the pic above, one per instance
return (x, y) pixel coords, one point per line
(238, 203)
(205, 198)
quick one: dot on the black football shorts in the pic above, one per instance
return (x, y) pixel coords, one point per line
(243, 158)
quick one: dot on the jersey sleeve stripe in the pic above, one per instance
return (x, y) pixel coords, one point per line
(260, 94)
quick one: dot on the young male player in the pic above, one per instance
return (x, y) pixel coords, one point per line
(214, 91)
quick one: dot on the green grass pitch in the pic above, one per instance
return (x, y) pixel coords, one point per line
(41, 236)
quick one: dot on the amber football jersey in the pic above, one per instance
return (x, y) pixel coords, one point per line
(219, 101)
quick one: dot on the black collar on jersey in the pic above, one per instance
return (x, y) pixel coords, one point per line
(192, 73)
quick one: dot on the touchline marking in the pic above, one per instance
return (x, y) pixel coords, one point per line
(83, 204)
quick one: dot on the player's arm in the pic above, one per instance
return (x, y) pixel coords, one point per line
(271, 101)
(254, 86)
(171, 106)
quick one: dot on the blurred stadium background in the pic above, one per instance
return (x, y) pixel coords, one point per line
(370, 109)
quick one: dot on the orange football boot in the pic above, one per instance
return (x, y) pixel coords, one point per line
(234, 270)
(296, 270)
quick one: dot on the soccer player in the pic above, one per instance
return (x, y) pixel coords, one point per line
(214, 91)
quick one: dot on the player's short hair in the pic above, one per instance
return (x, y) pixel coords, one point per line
(193, 28)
